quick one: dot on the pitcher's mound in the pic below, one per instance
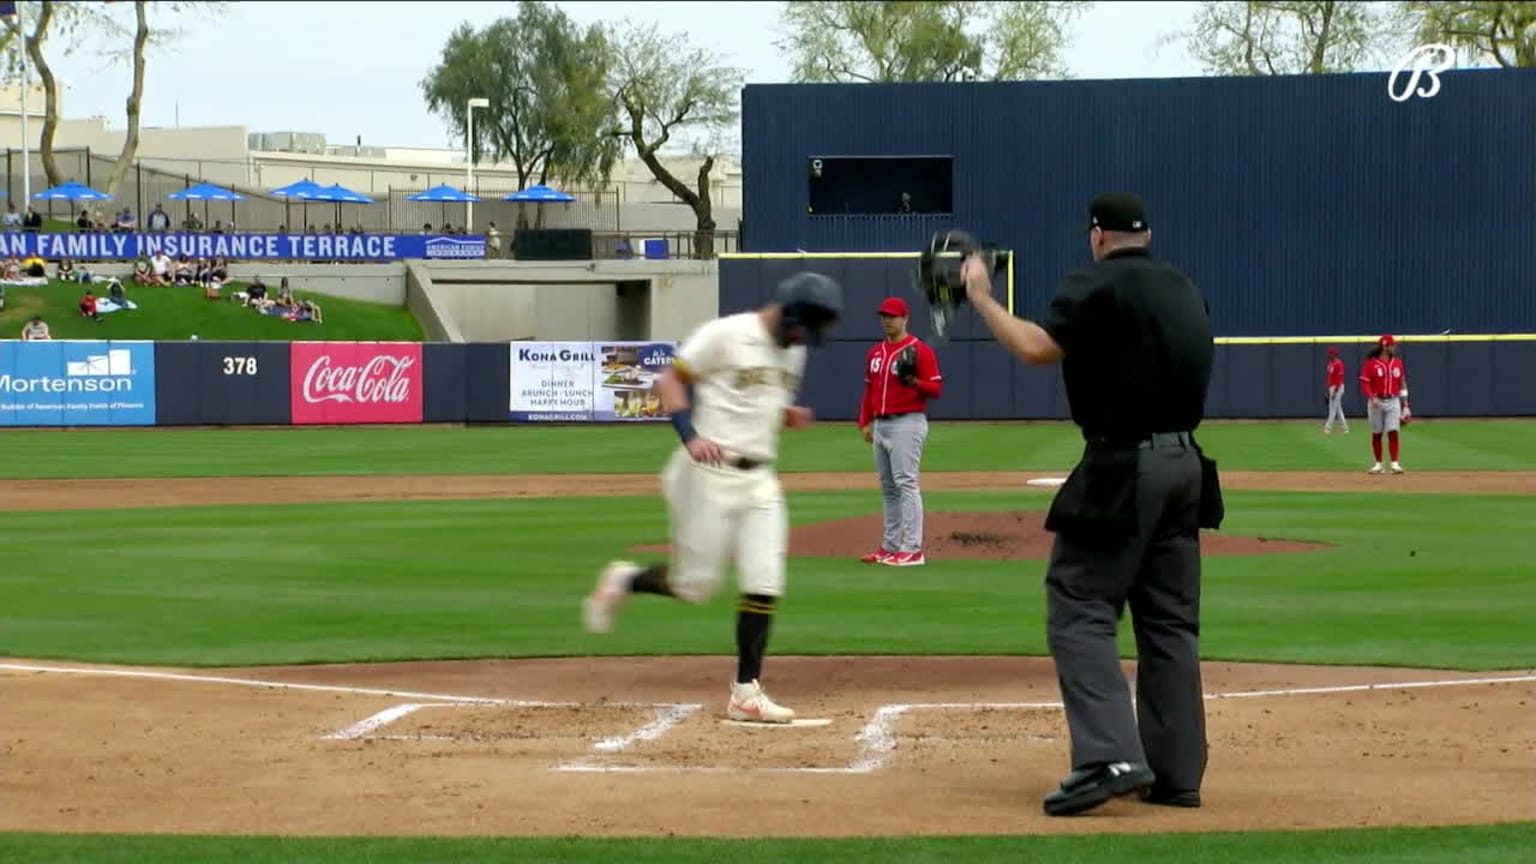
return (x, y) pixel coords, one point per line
(997, 536)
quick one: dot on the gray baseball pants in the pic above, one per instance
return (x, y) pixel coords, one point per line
(1156, 572)
(1336, 409)
(899, 444)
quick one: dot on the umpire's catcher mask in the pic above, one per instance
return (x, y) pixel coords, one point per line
(810, 304)
(938, 281)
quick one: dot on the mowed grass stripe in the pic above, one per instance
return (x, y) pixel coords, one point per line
(642, 448)
(1492, 844)
(1411, 583)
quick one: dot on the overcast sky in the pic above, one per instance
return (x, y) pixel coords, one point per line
(349, 69)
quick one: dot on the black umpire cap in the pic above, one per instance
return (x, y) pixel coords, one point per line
(1117, 211)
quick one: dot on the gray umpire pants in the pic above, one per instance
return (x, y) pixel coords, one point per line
(1156, 570)
(899, 444)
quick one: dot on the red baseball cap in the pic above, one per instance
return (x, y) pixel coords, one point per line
(1387, 340)
(1333, 351)
(894, 306)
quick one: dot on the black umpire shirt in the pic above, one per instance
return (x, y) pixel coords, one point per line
(1137, 340)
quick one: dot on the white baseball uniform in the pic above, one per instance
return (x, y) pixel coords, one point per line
(742, 383)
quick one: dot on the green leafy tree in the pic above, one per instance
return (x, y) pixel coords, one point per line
(68, 27)
(1293, 37)
(954, 40)
(675, 96)
(547, 83)
(1503, 33)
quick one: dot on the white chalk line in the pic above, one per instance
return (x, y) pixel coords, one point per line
(666, 718)
(361, 728)
(317, 688)
(876, 738)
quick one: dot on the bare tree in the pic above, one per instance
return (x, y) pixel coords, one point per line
(666, 88)
(81, 24)
(1292, 37)
(1503, 33)
(852, 41)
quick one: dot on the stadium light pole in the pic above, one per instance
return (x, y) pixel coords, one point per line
(469, 159)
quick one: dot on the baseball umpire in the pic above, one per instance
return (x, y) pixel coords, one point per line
(1133, 335)
(901, 373)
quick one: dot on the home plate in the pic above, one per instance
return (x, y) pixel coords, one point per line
(1046, 481)
(798, 722)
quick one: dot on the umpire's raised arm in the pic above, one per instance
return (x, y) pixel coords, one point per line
(1024, 339)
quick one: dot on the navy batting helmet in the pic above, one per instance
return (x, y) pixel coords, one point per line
(811, 302)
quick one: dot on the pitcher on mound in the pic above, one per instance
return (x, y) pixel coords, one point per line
(730, 389)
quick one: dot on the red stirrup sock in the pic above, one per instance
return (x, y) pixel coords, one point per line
(1392, 445)
(1376, 445)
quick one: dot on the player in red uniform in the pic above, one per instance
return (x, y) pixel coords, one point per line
(1385, 384)
(1335, 390)
(901, 373)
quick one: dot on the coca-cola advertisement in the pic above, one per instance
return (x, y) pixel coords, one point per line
(357, 382)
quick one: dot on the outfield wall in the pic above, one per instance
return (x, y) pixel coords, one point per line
(125, 383)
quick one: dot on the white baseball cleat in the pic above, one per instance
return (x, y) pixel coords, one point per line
(750, 703)
(1396, 468)
(1375, 469)
(598, 608)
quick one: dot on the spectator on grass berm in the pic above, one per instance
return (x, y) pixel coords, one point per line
(493, 240)
(35, 330)
(83, 224)
(256, 292)
(65, 272)
(33, 221)
(191, 224)
(427, 228)
(125, 223)
(143, 274)
(182, 273)
(310, 310)
(88, 307)
(219, 269)
(158, 220)
(160, 268)
(10, 269)
(218, 227)
(12, 218)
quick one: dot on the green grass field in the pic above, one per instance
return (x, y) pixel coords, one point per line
(1445, 445)
(180, 312)
(1412, 580)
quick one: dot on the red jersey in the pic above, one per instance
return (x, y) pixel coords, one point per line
(1335, 372)
(1381, 377)
(883, 391)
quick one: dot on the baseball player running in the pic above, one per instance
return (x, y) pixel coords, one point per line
(901, 374)
(1386, 386)
(723, 495)
(1335, 389)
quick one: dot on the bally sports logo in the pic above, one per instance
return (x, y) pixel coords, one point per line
(344, 382)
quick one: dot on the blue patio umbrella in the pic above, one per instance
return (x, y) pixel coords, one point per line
(539, 193)
(444, 193)
(71, 191)
(208, 192)
(205, 192)
(298, 189)
(292, 190)
(338, 195)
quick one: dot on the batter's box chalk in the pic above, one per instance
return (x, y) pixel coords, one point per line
(797, 723)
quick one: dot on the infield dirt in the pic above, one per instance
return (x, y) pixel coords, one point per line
(149, 752)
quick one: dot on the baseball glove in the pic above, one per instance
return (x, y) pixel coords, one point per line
(905, 365)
